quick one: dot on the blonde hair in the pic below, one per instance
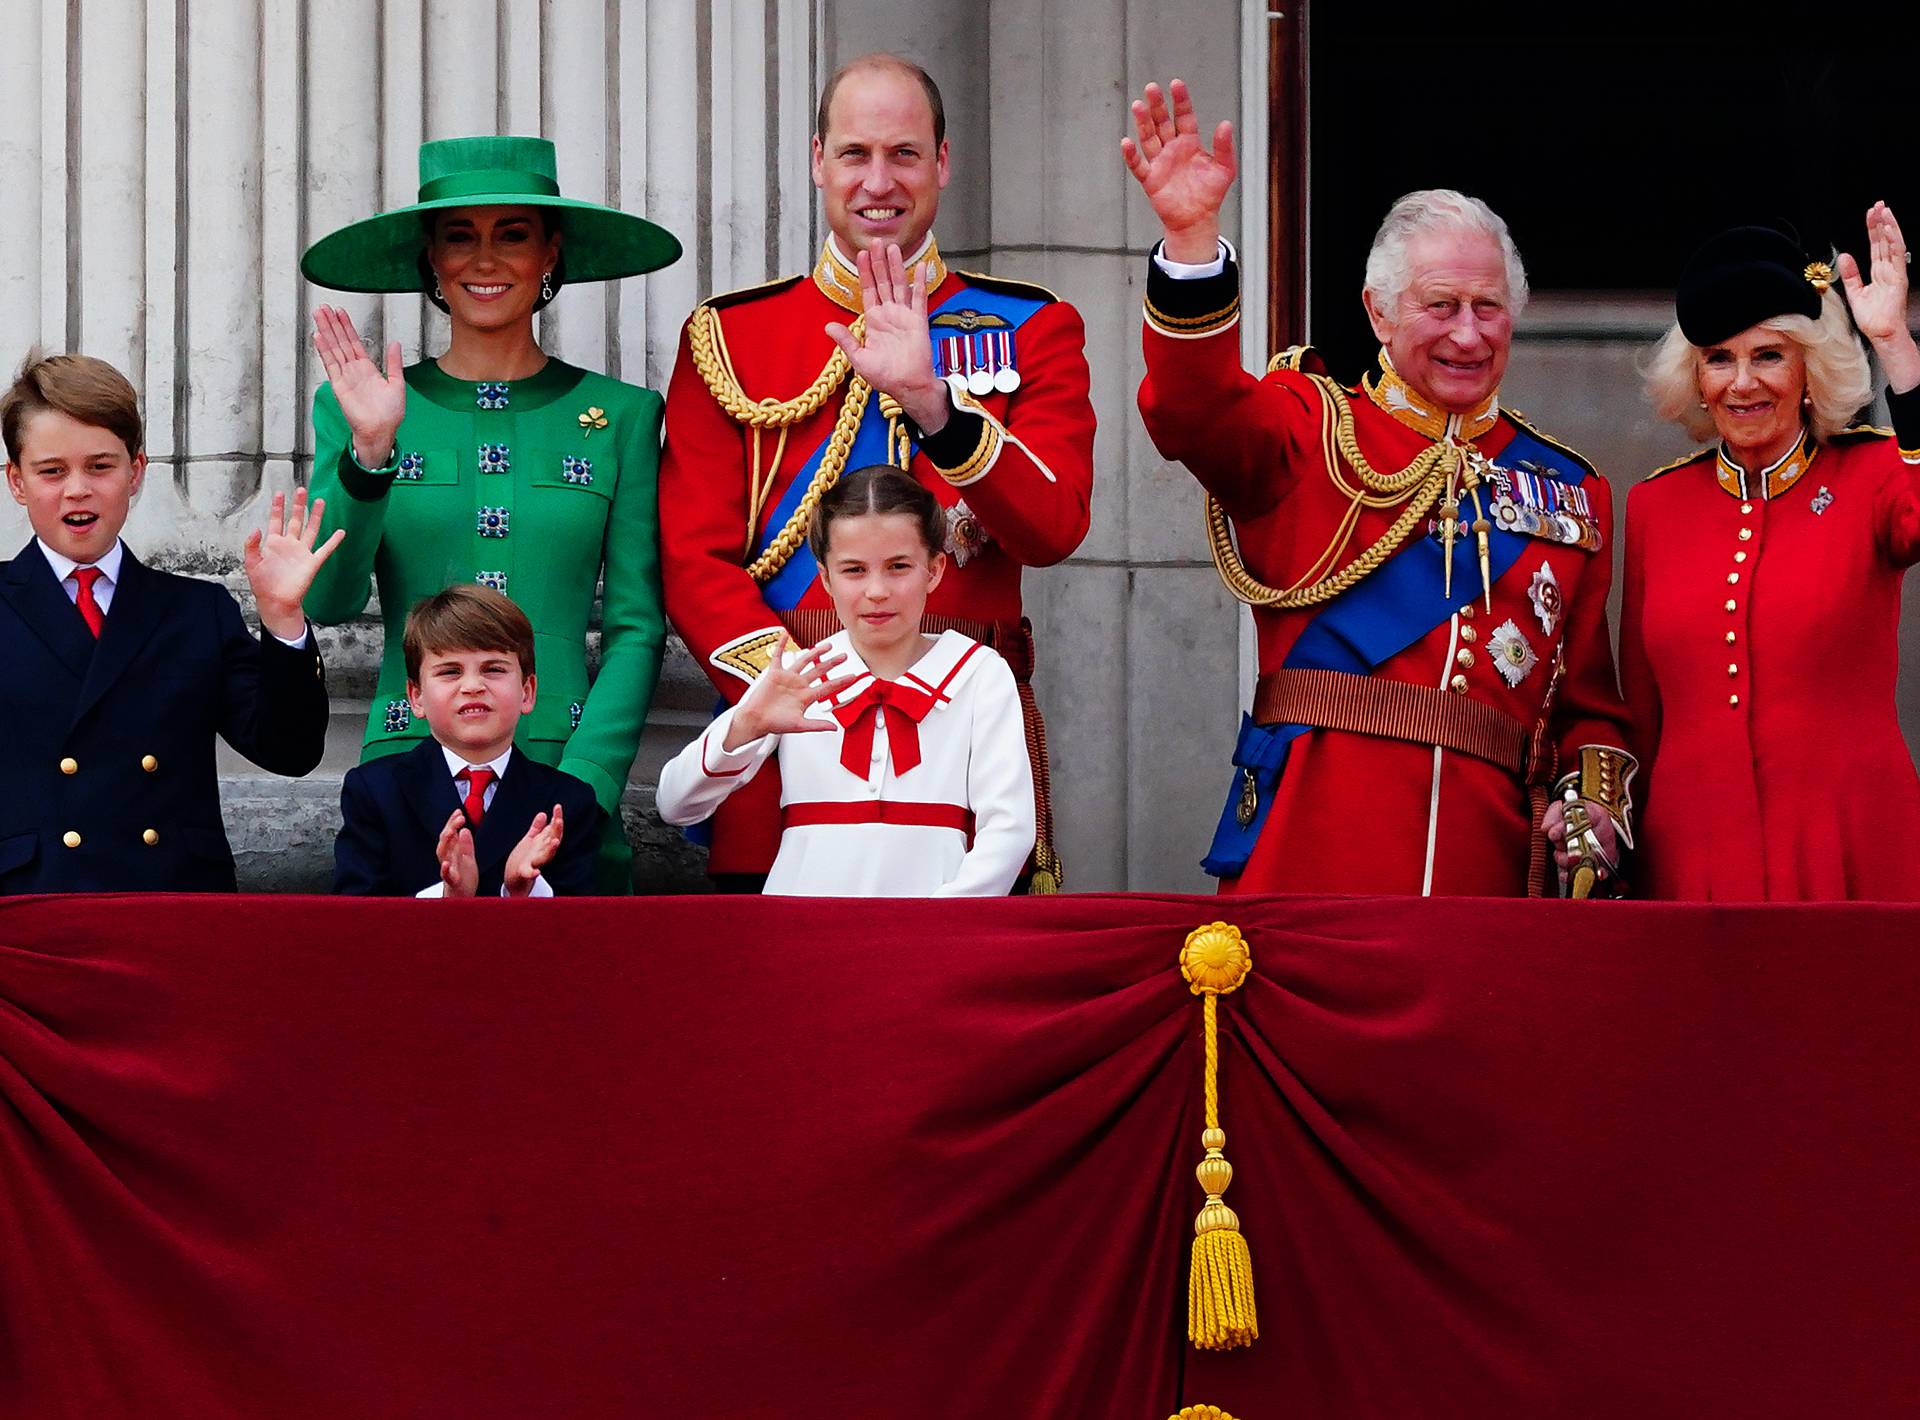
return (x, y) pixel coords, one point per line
(1839, 377)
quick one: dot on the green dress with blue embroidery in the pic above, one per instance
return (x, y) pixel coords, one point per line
(532, 487)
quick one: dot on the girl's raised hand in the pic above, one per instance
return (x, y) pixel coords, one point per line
(778, 702)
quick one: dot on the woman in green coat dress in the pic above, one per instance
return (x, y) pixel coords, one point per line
(497, 463)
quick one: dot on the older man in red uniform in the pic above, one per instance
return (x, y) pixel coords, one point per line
(1428, 572)
(979, 386)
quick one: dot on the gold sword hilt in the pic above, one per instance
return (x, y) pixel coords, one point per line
(1582, 846)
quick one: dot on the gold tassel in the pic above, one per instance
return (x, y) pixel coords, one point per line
(899, 444)
(1201, 1412)
(1220, 1309)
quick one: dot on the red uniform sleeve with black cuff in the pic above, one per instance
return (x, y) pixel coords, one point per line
(711, 598)
(1237, 434)
(1029, 477)
(1898, 498)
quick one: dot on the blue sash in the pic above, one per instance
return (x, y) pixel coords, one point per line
(1396, 606)
(784, 590)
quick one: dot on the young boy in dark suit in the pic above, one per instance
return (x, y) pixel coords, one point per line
(118, 677)
(462, 813)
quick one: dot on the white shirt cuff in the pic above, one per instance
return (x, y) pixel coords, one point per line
(1190, 270)
(541, 888)
(299, 643)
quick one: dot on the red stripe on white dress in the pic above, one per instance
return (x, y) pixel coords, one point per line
(955, 816)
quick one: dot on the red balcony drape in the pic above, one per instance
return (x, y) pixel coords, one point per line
(755, 1158)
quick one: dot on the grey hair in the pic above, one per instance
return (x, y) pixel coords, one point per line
(1436, 209)
(1839, 376)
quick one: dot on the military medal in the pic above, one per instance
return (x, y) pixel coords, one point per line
(1006, 379)
(1544, 593)
(1249, 803)
(1822, 500)
(1529, 500)
(1512, 656)
(952, 355)
(979, 376)
(965, 535)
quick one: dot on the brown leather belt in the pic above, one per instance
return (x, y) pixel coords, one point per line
(1391, 709)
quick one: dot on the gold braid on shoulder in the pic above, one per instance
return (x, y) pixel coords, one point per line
(1419, 485)
(708, 345)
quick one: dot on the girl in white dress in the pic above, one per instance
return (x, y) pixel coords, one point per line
(903, 757)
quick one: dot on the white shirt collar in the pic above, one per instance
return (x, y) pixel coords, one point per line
(456, 766)
(109, 564)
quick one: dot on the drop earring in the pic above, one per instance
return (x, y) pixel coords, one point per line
(546, 285)
(438, 294)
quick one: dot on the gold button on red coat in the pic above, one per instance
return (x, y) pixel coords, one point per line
(1458, 684)
(1732, 668)
(1746, 534)
(1465, 658)
(1732, 605)
(1733, 700)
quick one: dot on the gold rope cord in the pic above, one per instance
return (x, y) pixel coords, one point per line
(708, 345)
(1215, 961)
(1421, 483)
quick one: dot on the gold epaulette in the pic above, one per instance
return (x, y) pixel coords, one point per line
(1861, 431)
(1294, 358)
(747, 293)
(1031, 290)
(1682, 462)
(1528, 426)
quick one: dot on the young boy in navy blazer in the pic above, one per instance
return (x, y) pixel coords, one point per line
(117, 677)
(463, 813)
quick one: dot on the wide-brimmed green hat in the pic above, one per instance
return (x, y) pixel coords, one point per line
(383, 253)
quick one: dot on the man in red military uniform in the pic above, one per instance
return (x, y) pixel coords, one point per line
(1428, 572)
(979, 386)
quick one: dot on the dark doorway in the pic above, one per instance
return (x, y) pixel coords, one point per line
(1612, 142)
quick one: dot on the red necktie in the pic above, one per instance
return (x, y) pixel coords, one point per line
(476, 802)
(858, 717)
(90, 611)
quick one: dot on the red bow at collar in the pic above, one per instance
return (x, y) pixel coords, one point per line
(907, 707)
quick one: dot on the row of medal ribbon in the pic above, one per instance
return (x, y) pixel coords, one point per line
(981, 363)
(1528, 501)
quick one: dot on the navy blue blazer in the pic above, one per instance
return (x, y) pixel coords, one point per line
(107, 778)
(393, 808)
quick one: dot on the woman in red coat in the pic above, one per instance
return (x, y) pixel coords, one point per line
(1758, 641)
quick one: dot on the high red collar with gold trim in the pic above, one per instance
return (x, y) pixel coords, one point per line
(839, 279)
(1773, 480)
(1387, 389)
